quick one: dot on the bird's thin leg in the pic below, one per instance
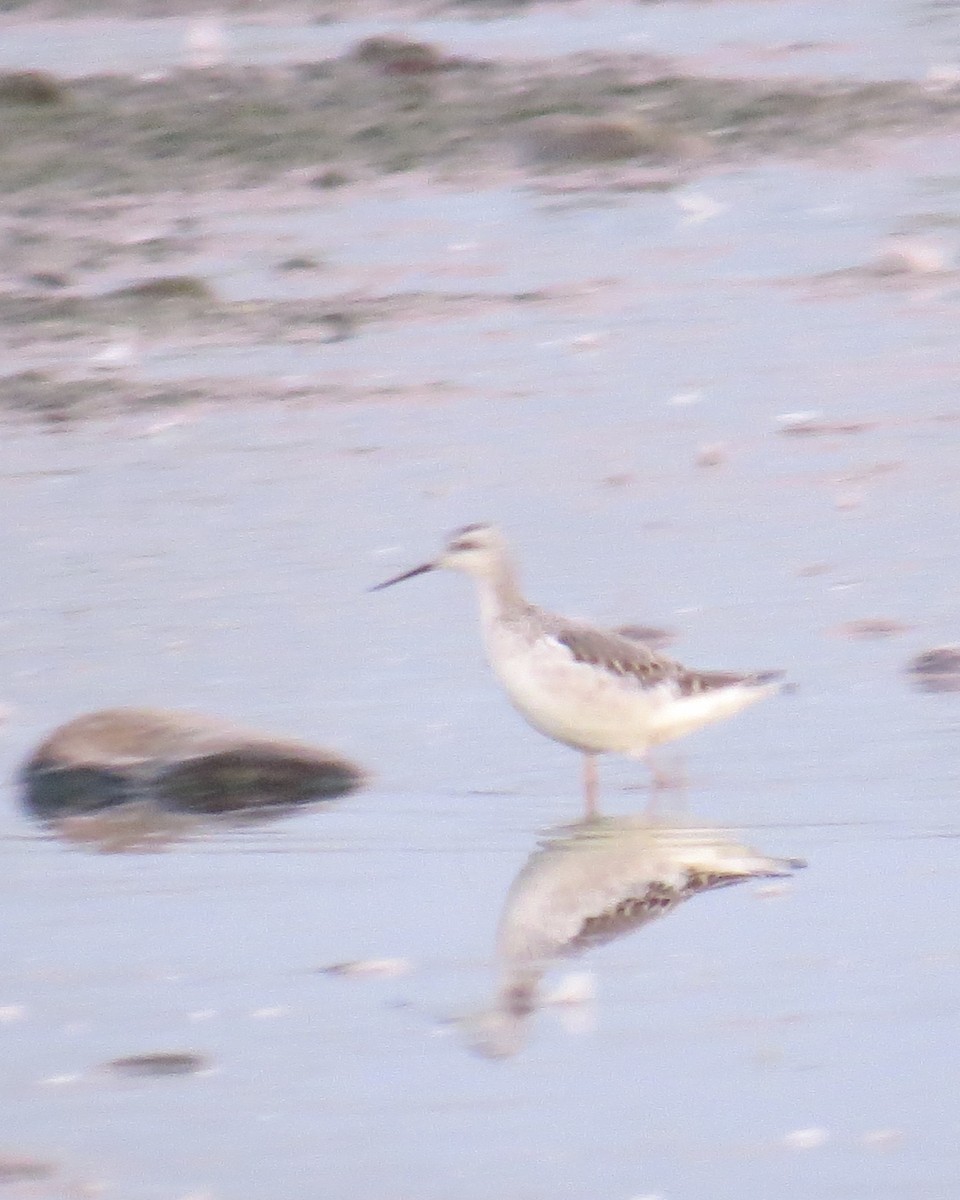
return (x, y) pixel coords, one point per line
(590, 786)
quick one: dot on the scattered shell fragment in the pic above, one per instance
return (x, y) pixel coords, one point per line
(942, 77)
(937, 670)
(697, 207)
(882, 1139)
(118, 353)
(160, 1063)
(369, 968)
(806, 1139)
(711, 454)
(910, 256)
(685, 399)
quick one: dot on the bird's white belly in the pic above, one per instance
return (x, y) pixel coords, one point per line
(593, 709)
(581, 705)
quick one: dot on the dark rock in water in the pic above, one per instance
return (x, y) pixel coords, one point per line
(399, 55)
(30, 87)
(937, 670)
(161, 1063)
(178, 761)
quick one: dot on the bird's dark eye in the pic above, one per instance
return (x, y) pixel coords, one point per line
(463, 544)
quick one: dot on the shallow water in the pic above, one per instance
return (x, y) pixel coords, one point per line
(218, 556)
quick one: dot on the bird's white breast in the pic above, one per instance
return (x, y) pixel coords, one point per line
(580, 704)
(592, 708)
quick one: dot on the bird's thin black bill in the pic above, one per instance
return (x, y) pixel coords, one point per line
(406, 575)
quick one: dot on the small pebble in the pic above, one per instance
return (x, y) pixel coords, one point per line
(298, 262)
(871, 627)
(369, 967)
(161, 1063)
(815, 424)
(937, 670)
(588, 341)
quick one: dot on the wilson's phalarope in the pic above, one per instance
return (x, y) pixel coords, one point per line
(593, 690)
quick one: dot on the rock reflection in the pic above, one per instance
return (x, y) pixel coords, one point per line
(593, 882)
(139, 778)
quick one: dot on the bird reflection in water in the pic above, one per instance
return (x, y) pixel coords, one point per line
(589, 884)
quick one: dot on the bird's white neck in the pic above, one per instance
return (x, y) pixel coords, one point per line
(498, 593)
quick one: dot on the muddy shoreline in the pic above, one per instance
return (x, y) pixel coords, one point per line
(110, 237)
(353, 118)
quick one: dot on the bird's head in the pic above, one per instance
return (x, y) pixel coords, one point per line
(475, 549)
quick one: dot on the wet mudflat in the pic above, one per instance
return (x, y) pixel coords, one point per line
(714, 392)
